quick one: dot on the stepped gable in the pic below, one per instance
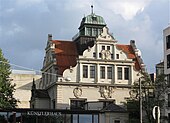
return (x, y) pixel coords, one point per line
(66, 55)
(130, 54)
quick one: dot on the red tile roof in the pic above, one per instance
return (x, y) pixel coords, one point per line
(130, 54)
(66, 55)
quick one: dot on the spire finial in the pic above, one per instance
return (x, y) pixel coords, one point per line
(91, 9)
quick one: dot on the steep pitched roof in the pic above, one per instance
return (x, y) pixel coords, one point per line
(130, 54)
(40, 93)
(66, 54)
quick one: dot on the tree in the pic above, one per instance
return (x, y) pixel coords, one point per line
(6, 88)
(152, 93)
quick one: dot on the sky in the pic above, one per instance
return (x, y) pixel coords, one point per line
(25, 25)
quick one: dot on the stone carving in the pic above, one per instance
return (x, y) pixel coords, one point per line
(77, 92)
(106, 54)
(106, 92)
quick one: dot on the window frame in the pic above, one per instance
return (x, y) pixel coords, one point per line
(119, 73)
(85, 71)
(102, 72)
(92, 71)
(109, 72)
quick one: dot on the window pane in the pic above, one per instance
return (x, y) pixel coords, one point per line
(84, 118)
(103, 47)
(168, 61)
(92, 71)
(102, 72)
(89, 31)
(85, 71)
(119, 71)
(109, 72)
(95, 32)
(108, 47)
(168, 100)
(77, 104)
(126, 73)
(168, 41)
(75, 118)
(95, 119)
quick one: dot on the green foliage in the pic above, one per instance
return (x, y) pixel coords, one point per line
(6, 88)
(151, 94)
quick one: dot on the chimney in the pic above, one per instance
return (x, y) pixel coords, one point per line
(49, 37)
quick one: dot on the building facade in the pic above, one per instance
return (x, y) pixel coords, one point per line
(166, 39)
(90, 72)
(23, 81)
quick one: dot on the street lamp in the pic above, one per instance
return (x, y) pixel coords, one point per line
(140, 99)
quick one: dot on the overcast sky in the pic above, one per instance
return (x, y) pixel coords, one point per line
(25, 24)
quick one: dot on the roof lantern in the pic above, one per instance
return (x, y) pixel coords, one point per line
(92, 19)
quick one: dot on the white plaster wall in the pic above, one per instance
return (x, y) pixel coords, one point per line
(89, 93)
(23, 87)
(166, 32)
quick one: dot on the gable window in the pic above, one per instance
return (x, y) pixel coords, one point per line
(168, 42)
(112, 56)
(109, 72)
(119, 72)
(92, 71)
(168, 61)
(117, 56)
(94, 55)
(85, 71)
(126, 73)
(103, 47)
(102, 72)
(108, 47)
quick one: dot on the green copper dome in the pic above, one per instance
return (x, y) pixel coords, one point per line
(93, 19)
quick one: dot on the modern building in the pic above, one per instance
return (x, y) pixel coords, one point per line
(90, 72)
(166, 40)
(23, 81)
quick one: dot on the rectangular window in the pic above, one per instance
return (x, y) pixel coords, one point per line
(117, 121)
(102, 72)
(117, 56)
(89, 31)
(77, 104)
(168, 61)
(92, 71)
(126, 73)
(168, 42)
(94, 55)
(109, 72)
(100, 55)
(168, 80)
(112, 56)
(108, 47)
(95, 32)
(103, 47)
(119, 71)
(168, 100)
(53, 103)
(85, 71)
